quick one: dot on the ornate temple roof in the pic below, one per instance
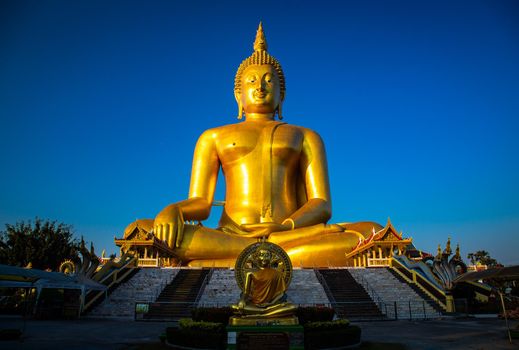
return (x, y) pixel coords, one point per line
(387, 235)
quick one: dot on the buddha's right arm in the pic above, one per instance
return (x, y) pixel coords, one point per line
(169, 223)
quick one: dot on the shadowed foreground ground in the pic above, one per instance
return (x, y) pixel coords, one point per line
(449, 333)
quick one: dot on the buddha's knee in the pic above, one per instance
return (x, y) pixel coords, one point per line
(365, 228)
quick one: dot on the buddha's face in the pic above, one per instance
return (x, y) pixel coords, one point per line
(264, 257)
(260, 92)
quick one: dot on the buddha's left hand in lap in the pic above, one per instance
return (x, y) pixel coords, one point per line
(264, 229)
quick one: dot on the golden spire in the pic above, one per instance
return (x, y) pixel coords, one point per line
(260, 44)
(448, 249)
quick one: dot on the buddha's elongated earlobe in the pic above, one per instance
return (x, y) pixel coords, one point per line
(240, 109)
(280, 116)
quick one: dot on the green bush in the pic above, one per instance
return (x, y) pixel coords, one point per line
(212, 314)
(322, 338)
(327, 325)
(189, 324)
(314, 314)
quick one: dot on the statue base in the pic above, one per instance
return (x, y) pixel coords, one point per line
(259, 321)
(273, 337)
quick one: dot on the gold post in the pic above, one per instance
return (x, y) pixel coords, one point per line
(506, 317)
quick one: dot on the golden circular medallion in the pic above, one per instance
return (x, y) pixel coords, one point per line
(67, 267)
(248, 262)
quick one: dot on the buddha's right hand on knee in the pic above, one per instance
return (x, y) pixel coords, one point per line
(169, 225)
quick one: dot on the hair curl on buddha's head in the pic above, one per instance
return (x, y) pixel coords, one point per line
(260, 56)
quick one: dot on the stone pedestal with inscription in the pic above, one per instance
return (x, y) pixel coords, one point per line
(268, 336)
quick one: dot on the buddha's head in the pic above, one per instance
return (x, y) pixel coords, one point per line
(259, 85)
(264, 257)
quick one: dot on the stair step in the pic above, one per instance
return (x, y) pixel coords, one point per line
(142, 287)
(392, 290)
(352, 299)
(181, 292)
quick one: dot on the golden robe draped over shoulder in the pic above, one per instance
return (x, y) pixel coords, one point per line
(267, 284)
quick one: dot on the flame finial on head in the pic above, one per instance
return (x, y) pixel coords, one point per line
(260, 44)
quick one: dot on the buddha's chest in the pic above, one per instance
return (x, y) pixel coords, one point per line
(281, 144)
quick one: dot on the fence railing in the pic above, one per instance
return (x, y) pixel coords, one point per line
(113, 276)
(397, 310)
(201, 290)
(371, 291)
(426, 286)
(379, 262)
(148, 262)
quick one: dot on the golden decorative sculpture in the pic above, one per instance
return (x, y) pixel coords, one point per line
(263, 272)
(67, 267)
(276, 183)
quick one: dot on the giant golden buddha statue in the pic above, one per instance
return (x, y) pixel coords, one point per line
(276, 180)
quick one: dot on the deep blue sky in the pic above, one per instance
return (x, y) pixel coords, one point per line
(101, 103)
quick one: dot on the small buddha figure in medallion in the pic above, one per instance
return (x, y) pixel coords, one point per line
(263, 272)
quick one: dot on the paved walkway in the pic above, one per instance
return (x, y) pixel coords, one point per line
(450, 333)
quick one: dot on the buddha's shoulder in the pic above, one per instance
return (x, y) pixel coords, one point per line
(216, 132)
(306, 132)
(300, 128)
(224, 130)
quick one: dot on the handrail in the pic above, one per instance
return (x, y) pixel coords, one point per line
(379, 262)
(371, 291)
(406, 309)
(129, 261)
(327, 289)
(421, 282)
(159, 290)
(206, 280)
(149, 262)
(115, 278)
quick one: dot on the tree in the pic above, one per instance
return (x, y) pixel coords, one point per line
(44, 244)
(482, 257)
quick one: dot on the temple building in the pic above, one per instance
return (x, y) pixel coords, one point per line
(378, 249)
(150, 251)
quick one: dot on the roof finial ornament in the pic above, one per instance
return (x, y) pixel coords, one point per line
(260, 44)
(448, 249)
(458, 255)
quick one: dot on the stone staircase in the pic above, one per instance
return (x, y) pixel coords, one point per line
(93, 298)
(396, 299)
(355, 293)
(349, 298)
(179, 296)
(222, 290)
(305, 289)
(145, 286)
